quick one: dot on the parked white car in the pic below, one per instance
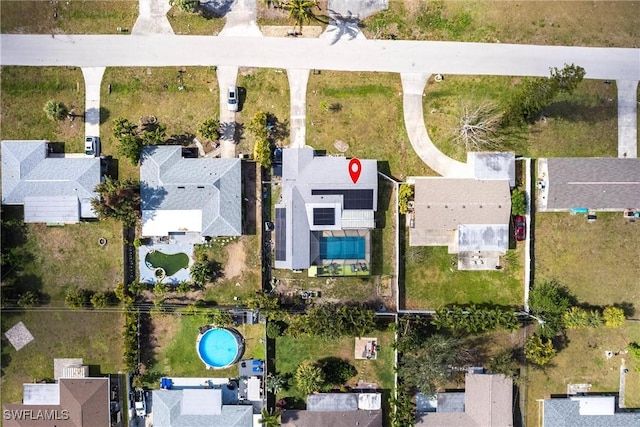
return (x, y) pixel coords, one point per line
(92, 146)
(232, 98)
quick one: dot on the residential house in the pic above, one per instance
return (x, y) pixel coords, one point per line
(210, 402)
(182, 195)
(487, 401)
(337, 410)
(471, 216)
(323, 220)
(596, 184)
(586, 411)
(70, 402)
(54, 188)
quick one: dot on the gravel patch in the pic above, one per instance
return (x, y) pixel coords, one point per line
(19, 336)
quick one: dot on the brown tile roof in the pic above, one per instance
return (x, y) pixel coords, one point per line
(84, 402)
(442, 204)
(488, 402)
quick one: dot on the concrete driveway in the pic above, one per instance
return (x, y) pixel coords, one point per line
(92, 81)
(152, 18)
(413, 88)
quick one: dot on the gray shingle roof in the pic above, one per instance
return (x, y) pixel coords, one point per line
(565, 412)
(303, 172)
(593, 183)
(50, 183)
(170, 182)
(169, 410)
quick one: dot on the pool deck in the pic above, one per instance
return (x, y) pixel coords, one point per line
(147, 275)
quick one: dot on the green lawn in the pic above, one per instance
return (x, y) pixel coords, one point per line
(176, 353)
(597, 261)
(370, 119)
(171, 263)
(25, 91)
(94, 336)
(575, 23)
(72, 17)
(590, 110)
(583, 361)
(290, 352)
(194, 23)
(432, 281)
(136, 92)
(55, 259)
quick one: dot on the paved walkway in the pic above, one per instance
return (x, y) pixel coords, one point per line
(413, 88)
(627, 118)
(92, 81)
(298, 94)
(152, 18)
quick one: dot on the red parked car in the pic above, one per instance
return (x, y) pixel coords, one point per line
(520, 228)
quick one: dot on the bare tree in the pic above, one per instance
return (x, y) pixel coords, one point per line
(478, 127)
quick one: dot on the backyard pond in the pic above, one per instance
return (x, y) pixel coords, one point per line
(170, 263)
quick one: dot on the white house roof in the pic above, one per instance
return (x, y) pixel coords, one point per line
(173, 187)
(311, 183)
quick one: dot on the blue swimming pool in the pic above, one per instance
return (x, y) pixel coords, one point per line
(220, 347)
(342, 247)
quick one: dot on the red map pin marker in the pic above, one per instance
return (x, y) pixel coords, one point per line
(354, 170)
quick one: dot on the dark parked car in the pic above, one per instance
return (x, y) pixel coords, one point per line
(520, 228)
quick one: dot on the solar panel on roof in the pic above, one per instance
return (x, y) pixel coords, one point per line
(324, 216)
(281, 234)
(353, 199)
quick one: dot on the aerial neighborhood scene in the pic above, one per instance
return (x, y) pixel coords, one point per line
(320, 213)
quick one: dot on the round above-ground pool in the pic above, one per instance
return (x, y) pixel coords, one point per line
(220, 347)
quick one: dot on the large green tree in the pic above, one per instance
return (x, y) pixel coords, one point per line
(432, 363)
(300, 11)
(55, 110)
(119, 200)
(309, 377)
(548, 301)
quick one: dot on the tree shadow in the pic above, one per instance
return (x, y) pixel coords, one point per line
(183, 139)
(628, 308)
(576, 112)
(249, 204)
(105, 115)
(347, 25)
(211, 9)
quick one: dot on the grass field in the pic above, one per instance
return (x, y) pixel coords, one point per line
(71, 17)
(573, 23)
(58, 258)
(583, 361)
(591, 110)
(432, 280)
(192, 23)
(92, 335)
(176, 353)
(597, 261)
(369, 119)
(136, 92)
(241, 265)
(25, 91)
(290, 352)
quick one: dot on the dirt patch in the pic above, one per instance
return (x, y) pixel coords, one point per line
(236, 260)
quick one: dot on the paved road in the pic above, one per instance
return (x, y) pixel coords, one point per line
(627, 118)
(401, 56)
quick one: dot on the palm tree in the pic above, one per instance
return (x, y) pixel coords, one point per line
(300, 10)
(270, 419)
(55, 110)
